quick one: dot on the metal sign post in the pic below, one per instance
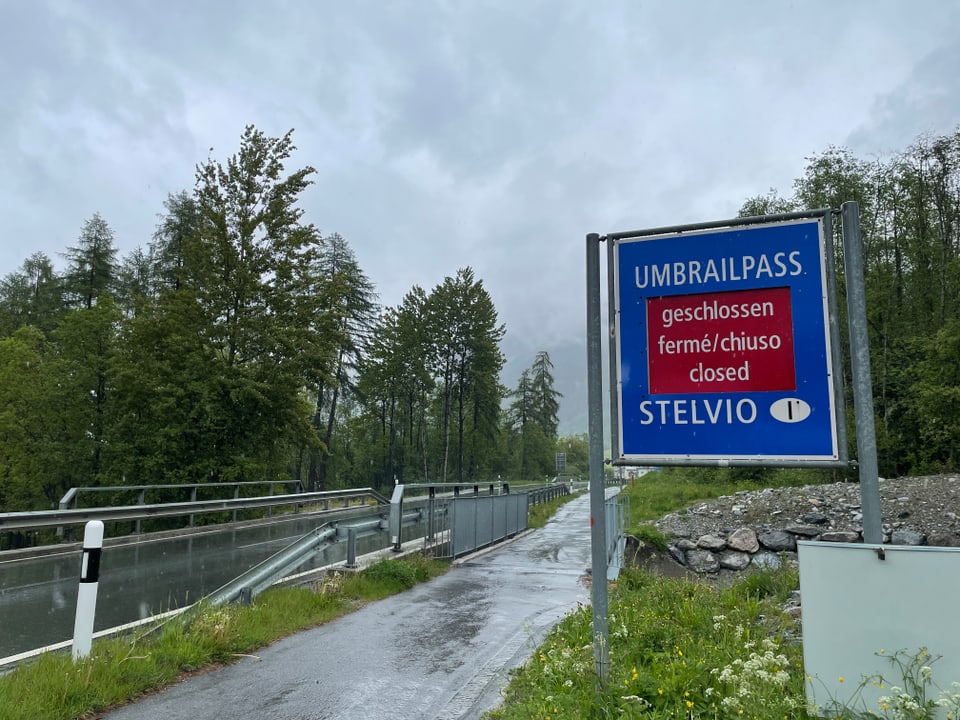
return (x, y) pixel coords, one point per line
(598, 550)
(860, 369)
(724, 351)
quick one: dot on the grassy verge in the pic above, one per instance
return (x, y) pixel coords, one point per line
(671, 489)
(678, 649)
(664, 491)
(55, 688)
(538, 515)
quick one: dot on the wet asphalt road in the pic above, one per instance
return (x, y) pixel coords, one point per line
(440, 651)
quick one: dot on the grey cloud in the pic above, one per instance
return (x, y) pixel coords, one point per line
(927, 102)
(491, 134)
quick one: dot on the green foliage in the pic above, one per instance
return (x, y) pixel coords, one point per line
(655, 494)
(577, 451)
(677, 649)
(430, 386)
(389, 577)
(648, 533)
(243, 344)
(909, 692)
(538, 515)
(25, 409)
(348, 301)
(910, 226)
(937, 395)
(531, 421)
(32, 296)
(770, 204)
(91, 265)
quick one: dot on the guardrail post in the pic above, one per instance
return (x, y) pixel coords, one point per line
(432, 494)
(141, 500)
(87, 592)
(193, 498)
(236, 495)
(270, 507)
(351, 547)
(65, 502)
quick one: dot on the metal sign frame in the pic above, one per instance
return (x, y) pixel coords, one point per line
(752, 294)
(859, 368)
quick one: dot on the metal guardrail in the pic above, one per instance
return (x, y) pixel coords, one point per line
(449, 489)
(291, 558)
(452, 524)
(547, 493)
(478, 523)
(59, 518)
(616, 512)
(72, 497)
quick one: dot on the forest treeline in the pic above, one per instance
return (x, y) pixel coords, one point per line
(910, 226)
(241, 344)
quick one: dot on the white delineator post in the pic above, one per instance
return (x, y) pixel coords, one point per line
(87, 594)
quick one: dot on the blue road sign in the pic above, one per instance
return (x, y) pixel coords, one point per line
(723, 346)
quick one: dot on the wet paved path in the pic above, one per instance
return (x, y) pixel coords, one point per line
(440, 651)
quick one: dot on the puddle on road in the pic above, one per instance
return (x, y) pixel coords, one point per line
(551, 553)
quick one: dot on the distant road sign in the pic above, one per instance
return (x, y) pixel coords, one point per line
(723, 346)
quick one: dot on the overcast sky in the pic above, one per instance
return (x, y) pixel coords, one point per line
(492, 134)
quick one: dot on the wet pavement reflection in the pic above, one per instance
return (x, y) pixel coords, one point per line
(138, 580)
(440, 651)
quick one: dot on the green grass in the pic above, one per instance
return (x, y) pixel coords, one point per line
(678, 649)
(538, 515)
(55, 688)
(665, 636)
(664, 491)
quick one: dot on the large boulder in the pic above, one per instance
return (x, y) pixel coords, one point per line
(702, 561)
(907, 537)
(841, 536)
(744, 540)
(711, 542)
(778, 540)
(734, 560)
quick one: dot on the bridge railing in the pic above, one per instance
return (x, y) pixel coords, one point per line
(78, 516)
(465, 517)
(616, 517)
(71, 498)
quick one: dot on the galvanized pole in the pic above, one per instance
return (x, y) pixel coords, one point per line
(860, 368)
(612, 364)
(601, 645)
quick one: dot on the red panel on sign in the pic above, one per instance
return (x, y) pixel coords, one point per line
(740, 341)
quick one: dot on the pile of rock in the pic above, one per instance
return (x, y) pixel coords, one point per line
(745, 546)
(760, 528)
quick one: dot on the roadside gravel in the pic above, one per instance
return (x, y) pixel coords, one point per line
(928, 506)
